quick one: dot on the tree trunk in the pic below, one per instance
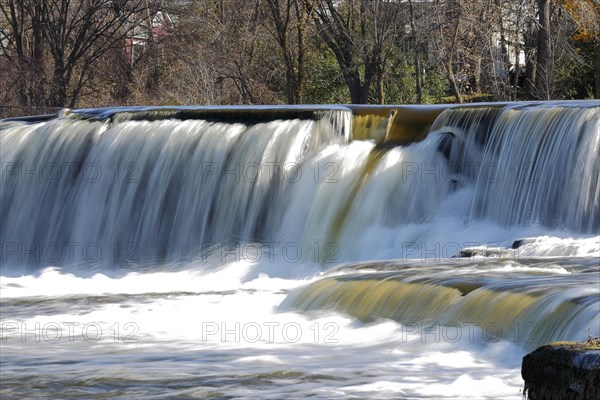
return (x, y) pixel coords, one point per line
(598, 70)
(59, 92)
(303, 16)
(477, 75)
(380, 85)
(22, 85)
(38, 93)
(517, 49)
(301, 80)
(530, 60)
(517, 71)
(359, 92)
(452, 81)
(544, 76)
(416, 58)
(290, 79)
(504, 53)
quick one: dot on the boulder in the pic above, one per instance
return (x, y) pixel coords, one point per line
(563, 370)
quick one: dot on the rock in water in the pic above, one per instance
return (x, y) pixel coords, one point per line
(564, 370)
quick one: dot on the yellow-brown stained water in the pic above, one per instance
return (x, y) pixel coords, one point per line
(370, 126)
(528, 316)
(371, 298)
(409, 126)
(396, 125)
(342, 213)
(547, 326)
(489, 306)
(390, 127)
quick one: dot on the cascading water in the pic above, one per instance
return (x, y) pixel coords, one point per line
(211, 240)
(166, 187)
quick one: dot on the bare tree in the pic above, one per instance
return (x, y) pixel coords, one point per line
(56, 53)
(288, 21)
(449, 19)
(236, 42)
(361, 34)
(73, 34)
(416, 45)
(544, 81)
(78, 33)
(22, 44)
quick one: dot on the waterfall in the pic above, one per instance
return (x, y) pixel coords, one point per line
(541, 166)
(529, 164)
(163, 189)
(517, 167)
(524, 309)
(340, 251)
(171, 183)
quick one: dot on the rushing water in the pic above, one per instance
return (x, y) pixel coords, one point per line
(278, 254)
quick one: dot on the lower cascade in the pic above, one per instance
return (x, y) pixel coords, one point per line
(523, 309)
(474, 223)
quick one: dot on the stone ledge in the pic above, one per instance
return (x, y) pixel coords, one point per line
(563, 370)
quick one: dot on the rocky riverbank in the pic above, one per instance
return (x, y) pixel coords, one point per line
(563, 370)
